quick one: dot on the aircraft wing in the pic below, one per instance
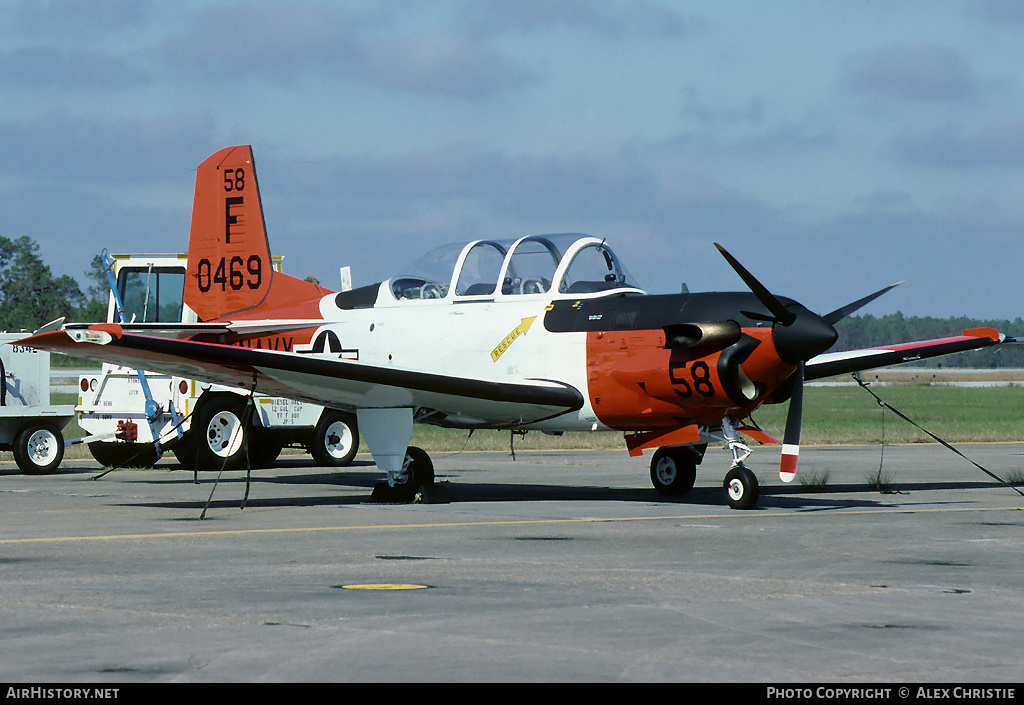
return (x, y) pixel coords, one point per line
(319, 379)
(837, 363)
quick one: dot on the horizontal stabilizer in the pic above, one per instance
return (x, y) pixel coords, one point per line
(182, 331)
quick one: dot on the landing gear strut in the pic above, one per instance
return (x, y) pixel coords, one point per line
(741, 490)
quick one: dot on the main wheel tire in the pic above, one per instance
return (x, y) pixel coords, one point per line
(673, 470)
(741, 490)
(335, 439)
(417, 469)
(222, 437)
(124, 455)
(38, 450)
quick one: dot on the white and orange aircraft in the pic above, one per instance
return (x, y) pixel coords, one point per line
(544, 332)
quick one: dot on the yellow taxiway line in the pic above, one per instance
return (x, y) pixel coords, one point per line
(509, 522)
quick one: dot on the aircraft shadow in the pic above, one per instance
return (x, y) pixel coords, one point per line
(363, 475)
(230, 490)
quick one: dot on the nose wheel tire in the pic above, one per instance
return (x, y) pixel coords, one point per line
(741, 490)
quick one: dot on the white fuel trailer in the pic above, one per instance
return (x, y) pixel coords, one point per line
(207, 427)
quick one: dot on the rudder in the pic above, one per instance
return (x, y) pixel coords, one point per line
(230, 272)
(229, 266)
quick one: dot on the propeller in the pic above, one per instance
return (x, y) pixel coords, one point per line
(782, 314)
(794, 421)
(798, 335)
(841, 313)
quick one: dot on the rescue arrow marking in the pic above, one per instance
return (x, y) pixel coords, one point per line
(511, 337)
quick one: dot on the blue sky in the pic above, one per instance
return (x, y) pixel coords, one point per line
(832, 147)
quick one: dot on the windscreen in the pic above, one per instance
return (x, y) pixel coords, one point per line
(151, 294)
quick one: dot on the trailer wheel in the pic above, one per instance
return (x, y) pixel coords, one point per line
(335, 440)
(38, 449)
(222, 436)
(184, 450)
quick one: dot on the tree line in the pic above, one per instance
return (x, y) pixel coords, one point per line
(868, 331)
(32, 296)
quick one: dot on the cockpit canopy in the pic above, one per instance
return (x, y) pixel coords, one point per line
(537, 264)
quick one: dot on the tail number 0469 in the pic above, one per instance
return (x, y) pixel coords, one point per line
(234, 273)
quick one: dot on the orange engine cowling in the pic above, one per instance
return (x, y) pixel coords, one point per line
(646, 379)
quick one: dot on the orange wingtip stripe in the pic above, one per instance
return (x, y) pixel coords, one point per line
(990, 333)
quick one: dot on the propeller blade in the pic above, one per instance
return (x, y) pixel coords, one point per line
(841, 313)
(794, 419)
(782, 314)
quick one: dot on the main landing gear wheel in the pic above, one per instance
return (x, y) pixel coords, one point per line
(415, 483)
(38, 450)
(335, 440)
(673, 470)
(741, 490)
(417, 470)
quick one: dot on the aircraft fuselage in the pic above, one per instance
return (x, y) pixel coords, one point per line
(640, 362)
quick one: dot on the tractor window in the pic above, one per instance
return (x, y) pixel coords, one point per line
(151, 294)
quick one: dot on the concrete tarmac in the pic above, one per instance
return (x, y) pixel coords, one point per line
(558, 566)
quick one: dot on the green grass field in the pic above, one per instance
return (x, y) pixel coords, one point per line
(956, 414)
(832, 415)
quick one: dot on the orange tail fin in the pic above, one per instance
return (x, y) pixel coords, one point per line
(229, 267)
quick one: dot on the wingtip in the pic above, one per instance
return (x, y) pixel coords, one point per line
(51, 326)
